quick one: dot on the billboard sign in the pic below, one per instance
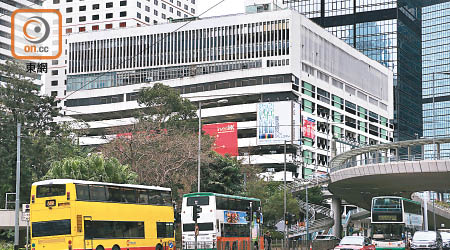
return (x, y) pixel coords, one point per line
(235, 217)
(309, 128)
(278, 122)
(226, 141)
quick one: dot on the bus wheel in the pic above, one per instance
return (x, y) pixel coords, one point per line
(116, 247)
(159, 247)
(100, 248)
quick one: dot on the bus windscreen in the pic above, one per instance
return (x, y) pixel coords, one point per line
(51, 190)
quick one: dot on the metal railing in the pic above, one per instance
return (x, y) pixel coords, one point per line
(400, 158)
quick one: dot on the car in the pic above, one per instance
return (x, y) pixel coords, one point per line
(445, 240)
(355, 243)
(426, 240)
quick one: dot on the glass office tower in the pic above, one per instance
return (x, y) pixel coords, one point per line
(436, 64)
(388, 31)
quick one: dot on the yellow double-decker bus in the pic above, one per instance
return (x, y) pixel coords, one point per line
(73, 214)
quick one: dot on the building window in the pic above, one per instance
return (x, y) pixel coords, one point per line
(108, 26)
(123, 3)
(138, 15)
(82, 18)
(155, 12)
(95, 17)
(68, 30)
(96, 6)
(54, 72)
(185, 15)
(139, 5)
(54, 93)
(54, 62)
(147, 19)
(109, 15)
(156, 2)
(82, 8)
(109, 5)
(147, 8)
(69, 1)
(82, 29)
(163, 5)
(55, 83)
(95, 27)
(178, 13)
(163, 16)
(69, 20)
(155, 22)
(186, 7)
(55, 1)
(123, 24)
(123, 14)
(69, 10)
(170, 9)
(193, 1)
(192, 10)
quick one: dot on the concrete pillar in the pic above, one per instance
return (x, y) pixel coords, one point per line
(385, 155)
(337, 213)
(438, 151)
(422, 151)
(377, 157)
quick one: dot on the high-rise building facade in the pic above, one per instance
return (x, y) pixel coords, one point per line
(250, 60)
(6, 9)
(93, 15)
(436, 71)
(388, 31)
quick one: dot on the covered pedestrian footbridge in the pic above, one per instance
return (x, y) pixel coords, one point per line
(360, 174)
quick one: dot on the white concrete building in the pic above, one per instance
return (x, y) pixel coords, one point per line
(247, 59)
(93, 15)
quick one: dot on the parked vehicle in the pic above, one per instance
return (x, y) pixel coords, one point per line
(426, 240)
(355, 243)
(445, 240)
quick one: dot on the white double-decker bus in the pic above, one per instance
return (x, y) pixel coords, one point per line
(223, 222)
(394, 220)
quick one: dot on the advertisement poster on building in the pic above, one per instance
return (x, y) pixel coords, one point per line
(309, 128)
(226, 141)
(278, 122)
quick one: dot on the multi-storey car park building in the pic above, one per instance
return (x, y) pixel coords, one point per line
(247, 59)
(92, 15)
(388, 31)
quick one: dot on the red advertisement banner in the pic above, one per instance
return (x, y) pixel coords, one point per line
(226, 137)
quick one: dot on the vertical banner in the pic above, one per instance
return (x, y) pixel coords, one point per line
(226, 141)
(278, 122)
(309, 128)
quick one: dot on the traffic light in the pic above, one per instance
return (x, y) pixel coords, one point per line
(286, 218)
(258, 215)
(196, 210)
(290, 219)
(248, 211)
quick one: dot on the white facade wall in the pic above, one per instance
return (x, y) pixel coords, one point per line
(92, 16)
(305, 54)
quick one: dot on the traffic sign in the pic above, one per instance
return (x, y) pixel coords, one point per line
(26, 216)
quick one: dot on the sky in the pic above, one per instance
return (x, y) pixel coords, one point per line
(225, 8)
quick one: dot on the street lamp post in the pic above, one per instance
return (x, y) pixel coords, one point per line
(222, 101)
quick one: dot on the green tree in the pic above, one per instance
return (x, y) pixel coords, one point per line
(92, 168)
(20, 102)
(164, 106)
(272, 201)
(222, 175)
(315, 195)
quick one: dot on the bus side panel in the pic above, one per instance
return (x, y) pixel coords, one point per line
(238, 243)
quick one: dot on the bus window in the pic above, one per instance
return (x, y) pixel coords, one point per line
(51, 228)
(129, 195)
(114, 229)
(166, 198)
(236, 230)
(143, 196)
(97, 192)
(164, 230)
(51, 190)
(154, 197)
(114, 194)
(201, 201)
(221, 203)
(82, 192)
(190, 227)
